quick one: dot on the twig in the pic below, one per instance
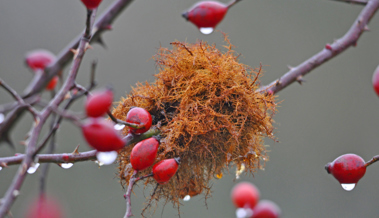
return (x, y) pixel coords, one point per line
(133, 125)
(358, 2)
(232, 3)
(373, 160)
(340, 45)
(132, 180)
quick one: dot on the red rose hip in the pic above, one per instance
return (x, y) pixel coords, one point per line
(266, 209)
(39, 59)
(91, 4)
(99, 103)
(206, 14)
(165, 169)
(140, 116)
(144, 153)
(101, 135)
(245, 194)
(375, 80)
(45, 208)
(348, 169)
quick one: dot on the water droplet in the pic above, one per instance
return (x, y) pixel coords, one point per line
(187, 198)
(33, 168)
(119, 126)
(244, 212)
(206, 30)
(66, 165)
(219, 176)
(2, 117)
(348, 186)
(99, 163)
(1, 168)
(107, 157)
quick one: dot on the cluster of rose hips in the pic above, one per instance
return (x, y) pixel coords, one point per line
(245, 197)
(101, 135)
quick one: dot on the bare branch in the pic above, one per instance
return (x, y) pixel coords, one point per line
(373, 160)
(358, 2)
(339, 46)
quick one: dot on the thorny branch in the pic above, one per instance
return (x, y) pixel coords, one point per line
(330, 51)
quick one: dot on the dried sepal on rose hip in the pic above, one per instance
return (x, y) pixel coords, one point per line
(144, 153)
(164, 170)
(266, 209)
(141, 117)
(91, 4)
(245, 195)
(101, 135)
(206, 14)
(99, 103)
(348, 169)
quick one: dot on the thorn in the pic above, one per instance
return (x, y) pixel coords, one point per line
(76, 151)
(278, 82)
(75, 52)
(88, 46)
(3, 164)
(328, 47)
(67, 96)
(101, 42)
(366, 28)
(300, 79)
(289, 67)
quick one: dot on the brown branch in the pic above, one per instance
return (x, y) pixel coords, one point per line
(19, 178)
(329, 52)
(373, 160)
(63, 58)
(358, 2)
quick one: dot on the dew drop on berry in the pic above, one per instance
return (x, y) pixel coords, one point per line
(119, 126)
(206, 30)
(2, 117)
(106, 157)
(244, 212)
(66, 165)
(348, 186)
(33, 168)
(187, 198)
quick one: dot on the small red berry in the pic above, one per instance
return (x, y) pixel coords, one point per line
(266, 209)
(99, 103)
(165, 169)
(139, 116)
(45, 208)
(100, 134)
(39, 59)
(144, 153)
(347, 168)
(245, 194)
(91, 4)
(375, 80)
(53, 82)
(206, 14)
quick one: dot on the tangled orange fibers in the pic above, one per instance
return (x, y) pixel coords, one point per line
(209, 113)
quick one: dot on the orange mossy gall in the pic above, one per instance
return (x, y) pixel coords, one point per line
(144, 153)
(205, 104)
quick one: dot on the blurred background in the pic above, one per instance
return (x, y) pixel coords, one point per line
(332, 113)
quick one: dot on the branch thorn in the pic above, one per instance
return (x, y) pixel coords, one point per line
(76, 151)
(300, 79)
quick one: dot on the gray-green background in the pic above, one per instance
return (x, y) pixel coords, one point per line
(334, 112)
